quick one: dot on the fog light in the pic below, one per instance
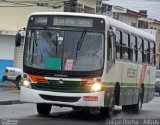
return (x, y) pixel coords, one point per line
(26, 84)
(96, 87)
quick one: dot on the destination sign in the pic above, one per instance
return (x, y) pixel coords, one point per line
(40, 20)
(73, 21)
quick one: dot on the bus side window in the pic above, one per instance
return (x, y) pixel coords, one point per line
(125, 45)
(133, 48)
(140, 49)
(118, 44)
(152, 53)
(146, 52)
(109, 48)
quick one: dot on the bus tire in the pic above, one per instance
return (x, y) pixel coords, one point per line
(125, 108)
(117, 93)
(108, 111)
(137, 107)
(43, 109)
(17, 83)
(142, 92)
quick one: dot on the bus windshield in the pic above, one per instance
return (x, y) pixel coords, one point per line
(64, 50)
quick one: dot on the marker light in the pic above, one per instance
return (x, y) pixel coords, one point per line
(26, 84)
(96, 87)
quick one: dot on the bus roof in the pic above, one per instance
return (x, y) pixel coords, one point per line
(131, 29)
(68, 14)
(109, 21)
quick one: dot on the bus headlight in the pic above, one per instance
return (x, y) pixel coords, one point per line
(96, 87)
(26, 84)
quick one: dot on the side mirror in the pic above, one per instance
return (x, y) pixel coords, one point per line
(18, 40)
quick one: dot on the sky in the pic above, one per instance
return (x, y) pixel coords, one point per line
(152, 6)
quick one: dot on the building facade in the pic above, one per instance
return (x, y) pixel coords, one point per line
(14, 16)
(122, 14)
(6, 50)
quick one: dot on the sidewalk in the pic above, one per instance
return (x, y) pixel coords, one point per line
(7, 84)
(10, 97)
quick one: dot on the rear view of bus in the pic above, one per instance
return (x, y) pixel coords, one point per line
(63, 61)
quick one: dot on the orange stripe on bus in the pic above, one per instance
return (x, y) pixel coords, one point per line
(38, 79)
(143, 74)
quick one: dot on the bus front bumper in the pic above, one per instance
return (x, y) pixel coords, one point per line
(94, 99)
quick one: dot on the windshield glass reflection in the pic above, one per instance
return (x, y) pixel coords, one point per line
(64, 50)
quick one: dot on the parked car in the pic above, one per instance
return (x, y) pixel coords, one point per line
(157, 85)
(12, 74)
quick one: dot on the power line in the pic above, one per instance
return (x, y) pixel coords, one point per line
(42, 3)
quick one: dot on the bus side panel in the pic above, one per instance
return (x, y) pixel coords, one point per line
(140, 81)
(151, 87)
(129, 84)
(119, 70)
(109, 96)
(110, 77)
(146, 83)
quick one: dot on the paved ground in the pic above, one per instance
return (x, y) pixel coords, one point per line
(7, 84)
(25, 113)
(8, 93)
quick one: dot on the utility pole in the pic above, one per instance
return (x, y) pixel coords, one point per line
(73, 5)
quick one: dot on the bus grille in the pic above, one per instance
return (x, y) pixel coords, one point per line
(61, 88)
(59, 98)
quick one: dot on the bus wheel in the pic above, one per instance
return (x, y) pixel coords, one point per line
(107, 111)
(117, 93)
(125, 108)
(44, 109)
(17, 83)
(137, 107)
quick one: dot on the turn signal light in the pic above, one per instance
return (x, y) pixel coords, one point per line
(6, 70)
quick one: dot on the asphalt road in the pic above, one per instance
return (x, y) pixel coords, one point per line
(26, 114)
(6, 89)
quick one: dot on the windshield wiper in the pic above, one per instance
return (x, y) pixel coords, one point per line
(80, 42)
(52, 40)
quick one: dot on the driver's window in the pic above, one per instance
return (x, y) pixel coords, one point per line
(111, 41)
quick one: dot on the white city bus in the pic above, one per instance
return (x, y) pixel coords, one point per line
(86, 61)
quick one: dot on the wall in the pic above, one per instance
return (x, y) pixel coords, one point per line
(128, 19)
(15, 18)
(90, 5)
(12, 19)
(155, 26)
(6, 52)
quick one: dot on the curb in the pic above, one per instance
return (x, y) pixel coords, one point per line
(7, 84)
(11, 102)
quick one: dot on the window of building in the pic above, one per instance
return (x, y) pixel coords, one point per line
(158, 31)
(133, 24)
(116, 16)
(151, 27)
